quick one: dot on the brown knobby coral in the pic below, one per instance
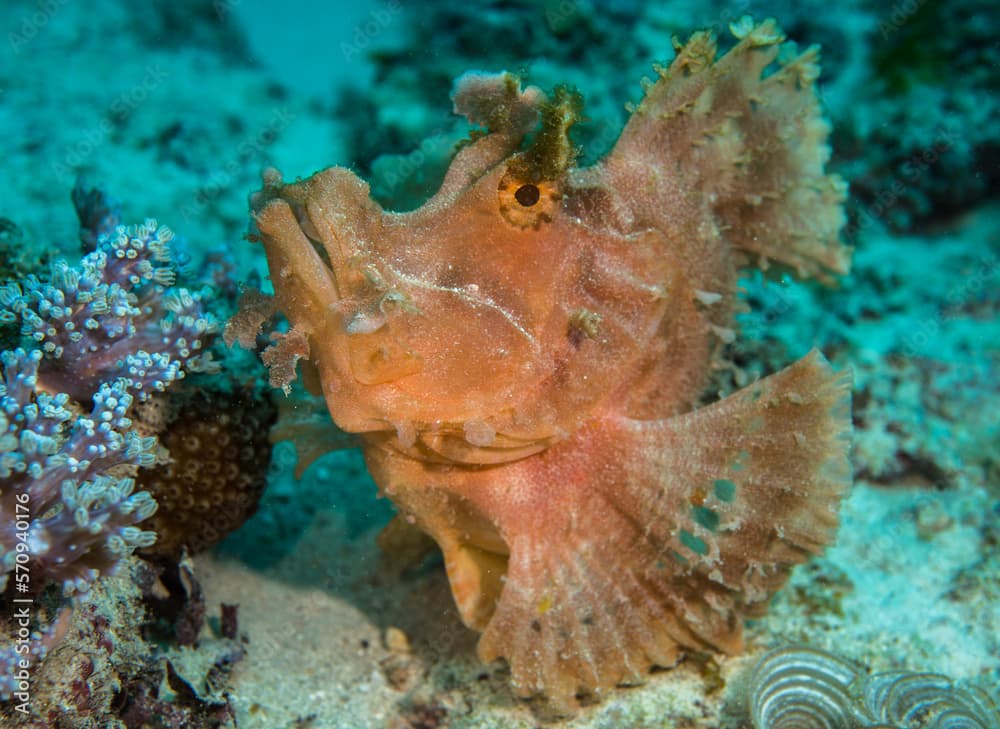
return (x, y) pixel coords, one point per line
(523, 355)
(210, 484)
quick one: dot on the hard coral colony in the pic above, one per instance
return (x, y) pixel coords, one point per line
(523, 358)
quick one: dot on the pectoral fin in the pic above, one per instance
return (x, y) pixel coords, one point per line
(637, 539)
(633, 540)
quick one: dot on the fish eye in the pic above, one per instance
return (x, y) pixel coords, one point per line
(528, 203)
(527, 195)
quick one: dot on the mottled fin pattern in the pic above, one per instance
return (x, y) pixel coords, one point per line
(681, 528)
(750, 140)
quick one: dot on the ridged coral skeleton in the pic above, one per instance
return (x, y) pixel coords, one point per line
(804, 688)
(523, 355)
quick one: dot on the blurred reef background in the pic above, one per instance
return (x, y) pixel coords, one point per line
(160, 116)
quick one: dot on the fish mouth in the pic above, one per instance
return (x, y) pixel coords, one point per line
(399, 347)
(453, 444)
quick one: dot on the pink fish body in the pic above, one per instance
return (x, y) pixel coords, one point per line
(523, 357)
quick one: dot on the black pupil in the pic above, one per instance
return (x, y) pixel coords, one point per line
(527, 195)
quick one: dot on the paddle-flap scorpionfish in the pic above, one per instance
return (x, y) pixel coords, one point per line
(523, 356)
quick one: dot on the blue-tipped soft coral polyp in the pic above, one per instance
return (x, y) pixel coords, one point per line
(114, 310)
(98, 337)
(103, 334)
(53, 467)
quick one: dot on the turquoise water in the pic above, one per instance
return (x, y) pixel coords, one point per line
(125, 112)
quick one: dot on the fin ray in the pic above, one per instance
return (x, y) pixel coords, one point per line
(608, 576)
(750, 146)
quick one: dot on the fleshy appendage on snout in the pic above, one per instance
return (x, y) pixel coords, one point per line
(523, 358)
(462, 338)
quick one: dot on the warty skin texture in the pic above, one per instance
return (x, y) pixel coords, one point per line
(523, 355)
